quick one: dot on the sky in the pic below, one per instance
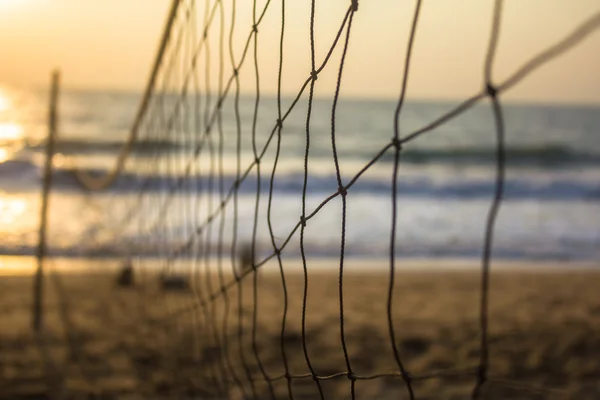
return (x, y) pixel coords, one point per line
(111, 44)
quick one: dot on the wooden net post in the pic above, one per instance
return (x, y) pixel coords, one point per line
(41, 250)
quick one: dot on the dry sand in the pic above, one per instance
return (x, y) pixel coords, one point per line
(143, 343)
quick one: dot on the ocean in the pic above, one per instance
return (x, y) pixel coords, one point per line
(551, 208)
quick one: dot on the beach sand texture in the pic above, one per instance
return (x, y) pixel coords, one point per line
(136, 343)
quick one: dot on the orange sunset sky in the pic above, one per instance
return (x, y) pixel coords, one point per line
(110, 44)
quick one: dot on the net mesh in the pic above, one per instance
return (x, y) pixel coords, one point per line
(184, 220)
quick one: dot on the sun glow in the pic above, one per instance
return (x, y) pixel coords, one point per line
(11, 139)
(4, 154)
(10, 131)
(4, 4)
(4, 101)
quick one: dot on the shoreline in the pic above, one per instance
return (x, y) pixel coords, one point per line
(11, 265)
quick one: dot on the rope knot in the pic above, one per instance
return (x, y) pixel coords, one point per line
(406, 376)
(279, 123)
(257, 160)
(204, 34)
(342, 190)
(303, 220)
(397, 144)
(491, 90)
(255, 28)
(354, 5)
(314, 75)
(277, 251)
(235, 72)
(351, 376)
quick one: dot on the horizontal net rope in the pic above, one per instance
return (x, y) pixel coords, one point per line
(193, 228)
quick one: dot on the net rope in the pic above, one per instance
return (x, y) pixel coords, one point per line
(184, 103)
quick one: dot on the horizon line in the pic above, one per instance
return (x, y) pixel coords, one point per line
(353, 97)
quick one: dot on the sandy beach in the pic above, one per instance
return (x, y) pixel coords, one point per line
(141, 342)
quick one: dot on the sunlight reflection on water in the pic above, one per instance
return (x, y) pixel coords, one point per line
(17, 265)
(11, 209)
(11, 133)
(17, 217)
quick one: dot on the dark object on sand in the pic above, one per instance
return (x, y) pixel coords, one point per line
(245, 258)
(125, 276)
(173, 282)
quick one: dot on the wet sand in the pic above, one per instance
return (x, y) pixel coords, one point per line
(113, 342)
